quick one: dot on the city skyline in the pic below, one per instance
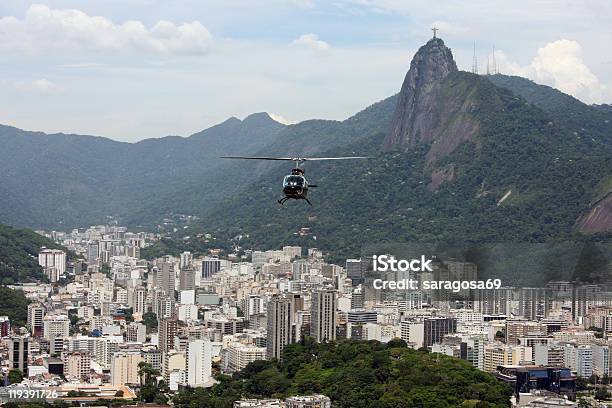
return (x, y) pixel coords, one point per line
(121, 313)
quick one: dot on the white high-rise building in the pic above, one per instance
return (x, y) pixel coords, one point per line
(187, 297)
(258, 258)
(93, 252)
(601, 359)
(308, 401)
(52, 273)
(124, 368)
(18, 352)
(186, 259)
(136, 333)
(292, 252)
(121, 296)
(199, 368)
(210, 266)
(239, 355)
(413, 332)
(412, 300)
(52, 258)
(579, 359)
(139, 300)
(187, 278)
(36, 312)
(166, 278)
(323, 314)
(56, 326)
(279, 325)
(187, 312)
(253, 305)
(77, 364)
(501, 354)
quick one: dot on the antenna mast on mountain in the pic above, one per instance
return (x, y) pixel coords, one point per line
(474, 61)
(494, 61)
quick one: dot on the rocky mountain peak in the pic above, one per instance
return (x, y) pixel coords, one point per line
(413, 120)
(432, 62)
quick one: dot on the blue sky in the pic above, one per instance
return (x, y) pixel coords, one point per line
(132, 69)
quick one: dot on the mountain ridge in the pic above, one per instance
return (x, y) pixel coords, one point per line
(523, 173)
(509, 123)
(414, 119)
(91, 178)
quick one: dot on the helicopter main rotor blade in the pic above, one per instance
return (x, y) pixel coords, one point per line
(300, 159)
(258, 158)
(335, 158)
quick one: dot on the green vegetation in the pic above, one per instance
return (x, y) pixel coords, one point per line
(151, 390)
(357, 375)
(602, 394)
(78, 195)
(19, 255)
(15, 377)
(14, 304)
(549, 154)
(76, 322)
(149, 319)
(551, 173)
(166, 247)
(585, 120)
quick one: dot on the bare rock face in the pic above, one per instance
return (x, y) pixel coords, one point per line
(425, 112)
(440, 176)
(598, 218)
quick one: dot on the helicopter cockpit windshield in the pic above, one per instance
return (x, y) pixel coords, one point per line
(293, 181)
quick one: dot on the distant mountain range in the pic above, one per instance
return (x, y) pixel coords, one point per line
(62, 181)
(457, 156)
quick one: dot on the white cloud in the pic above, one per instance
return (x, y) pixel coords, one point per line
(505, 65)
(304, 4)
(281, 119)
(44, 29)
(43, 85)
(313, 42)
(560, 65)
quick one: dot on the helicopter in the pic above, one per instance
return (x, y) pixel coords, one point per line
(295, 185)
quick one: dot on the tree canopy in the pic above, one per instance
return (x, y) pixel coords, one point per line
(357, 374)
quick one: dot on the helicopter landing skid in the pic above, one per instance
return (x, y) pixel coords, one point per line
(283, 200)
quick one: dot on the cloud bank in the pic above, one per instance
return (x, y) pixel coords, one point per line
(313, 42)
(45, 29)
(559, 64)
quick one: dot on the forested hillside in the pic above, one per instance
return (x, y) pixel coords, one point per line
(63, 181)
(523, 178)
(19, 255)
(357, 375)
(476, 158)
(14, 304)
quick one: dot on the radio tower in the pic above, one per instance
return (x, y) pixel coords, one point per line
(494, 61)
(474, 61)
